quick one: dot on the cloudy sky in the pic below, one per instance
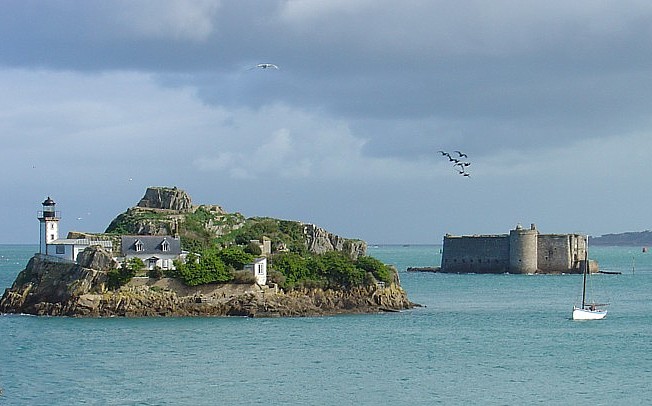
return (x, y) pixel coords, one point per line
(551, 100)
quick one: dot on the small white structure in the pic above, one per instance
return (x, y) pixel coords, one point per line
(259, 270)
(51, 244)
(68, 248)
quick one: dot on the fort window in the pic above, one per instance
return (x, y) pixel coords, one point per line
(61, 249)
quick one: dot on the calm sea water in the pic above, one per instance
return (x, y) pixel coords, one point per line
(481, 339)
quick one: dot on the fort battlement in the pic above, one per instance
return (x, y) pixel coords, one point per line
(522, 251)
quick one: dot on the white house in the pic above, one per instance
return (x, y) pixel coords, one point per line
(259, 269)
(67, 248)
(154, 250)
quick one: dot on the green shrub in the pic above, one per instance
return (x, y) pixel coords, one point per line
(119, 277)
(253, 248)
(293, 267)
(379, 270)
(155, 273)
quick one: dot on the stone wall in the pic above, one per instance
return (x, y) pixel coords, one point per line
(475, 254)
(560, 252)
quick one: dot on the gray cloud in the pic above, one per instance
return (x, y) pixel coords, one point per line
(366, 93)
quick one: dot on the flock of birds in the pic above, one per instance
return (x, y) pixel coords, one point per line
(459, 164)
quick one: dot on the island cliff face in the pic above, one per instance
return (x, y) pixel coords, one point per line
(64, 288)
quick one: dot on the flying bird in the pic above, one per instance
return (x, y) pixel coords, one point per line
(458, 164)
(266, 66)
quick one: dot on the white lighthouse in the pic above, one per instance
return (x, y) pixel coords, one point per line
(49, 219)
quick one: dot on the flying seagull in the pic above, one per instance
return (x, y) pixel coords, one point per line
(461, 154)
(266, 65)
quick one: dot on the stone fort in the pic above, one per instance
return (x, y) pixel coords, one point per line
(522, 251)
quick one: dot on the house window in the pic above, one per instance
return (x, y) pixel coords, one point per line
(138, 246)
(61, 249)
(165, 246)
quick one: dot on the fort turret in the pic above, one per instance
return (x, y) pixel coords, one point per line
(523, 250)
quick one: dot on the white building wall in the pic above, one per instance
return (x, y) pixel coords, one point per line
(260, 270)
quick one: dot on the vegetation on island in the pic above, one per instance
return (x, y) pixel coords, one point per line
(220, 244)
(287, 269)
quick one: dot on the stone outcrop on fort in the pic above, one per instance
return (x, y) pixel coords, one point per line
(522, 251)
(64, 288)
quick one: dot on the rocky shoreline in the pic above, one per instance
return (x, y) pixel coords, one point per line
(57, 288)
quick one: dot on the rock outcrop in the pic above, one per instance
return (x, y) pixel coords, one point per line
(319, 241)
(166, 199)
(62, 288)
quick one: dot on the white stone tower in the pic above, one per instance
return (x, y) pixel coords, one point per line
(49, 219)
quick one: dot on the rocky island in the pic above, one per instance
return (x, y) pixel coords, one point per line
(168, 257)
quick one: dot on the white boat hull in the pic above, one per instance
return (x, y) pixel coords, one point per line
(587, 314)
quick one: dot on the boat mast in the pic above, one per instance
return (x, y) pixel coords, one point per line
(586, 270)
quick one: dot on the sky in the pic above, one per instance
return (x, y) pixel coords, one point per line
(550, 100)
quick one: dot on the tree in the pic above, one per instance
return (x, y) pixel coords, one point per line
(208, 268)
(121, 276)
(293, 267)
(134, 264)
(235, 257)
(340, 269)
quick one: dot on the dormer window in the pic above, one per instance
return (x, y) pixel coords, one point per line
(138, 246)
(165, 246)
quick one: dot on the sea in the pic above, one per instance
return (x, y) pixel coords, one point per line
(477, 339)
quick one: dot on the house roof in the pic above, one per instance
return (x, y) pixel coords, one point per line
(81, 242)
(151, 244)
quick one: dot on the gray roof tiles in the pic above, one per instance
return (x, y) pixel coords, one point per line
(150, 244)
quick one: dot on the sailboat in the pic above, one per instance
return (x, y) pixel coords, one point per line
(588, 310)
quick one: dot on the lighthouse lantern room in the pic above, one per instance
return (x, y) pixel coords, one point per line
(49, 223)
